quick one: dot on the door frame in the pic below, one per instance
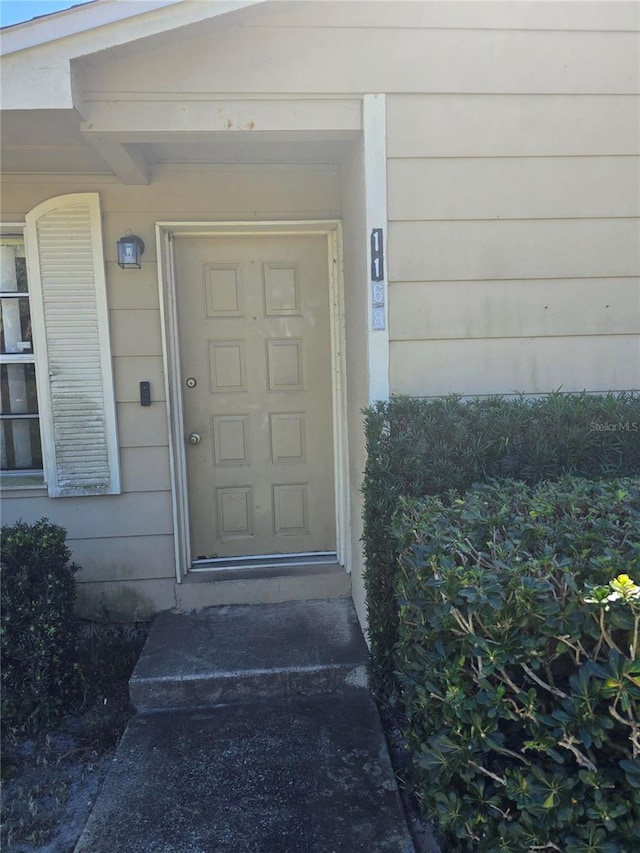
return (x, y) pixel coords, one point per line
(331, 229)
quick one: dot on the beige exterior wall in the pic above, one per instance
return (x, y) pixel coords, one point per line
(125, 543)
(514, 243)
(513, 207)
(394, 47)
(513, 172)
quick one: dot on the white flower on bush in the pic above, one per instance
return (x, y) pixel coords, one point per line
(621, 588)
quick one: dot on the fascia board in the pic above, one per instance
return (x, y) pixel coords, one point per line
(110, 23)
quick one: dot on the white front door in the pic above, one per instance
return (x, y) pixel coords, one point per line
(255, 354)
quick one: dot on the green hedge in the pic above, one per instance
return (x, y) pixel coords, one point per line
(38, 630)
(521, 681)
(428, 447)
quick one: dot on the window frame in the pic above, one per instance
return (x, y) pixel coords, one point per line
(24, 478)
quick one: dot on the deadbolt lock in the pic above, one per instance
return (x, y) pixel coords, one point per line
(191, 382)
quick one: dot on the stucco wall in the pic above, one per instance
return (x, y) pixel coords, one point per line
(125, 543)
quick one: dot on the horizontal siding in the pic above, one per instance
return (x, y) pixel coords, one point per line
(145, 469)
(68, 159)
(130, 371)
(396, 14)
(220, 192)
(201, 192)
(514, 244)
(438, 251)
(142, 426)
(510, 309)
(294, 60)
(101, 516)
(126, 558)
(136, 332)
(121, 295)
(514, 188)
(509, 365)
(462, 125)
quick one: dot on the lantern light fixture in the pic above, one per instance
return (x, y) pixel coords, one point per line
(130, 250)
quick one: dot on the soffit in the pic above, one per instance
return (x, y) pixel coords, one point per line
(46, 141)
(54, 145)
(280, 151)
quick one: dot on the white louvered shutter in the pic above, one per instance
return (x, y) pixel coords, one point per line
(72, 348)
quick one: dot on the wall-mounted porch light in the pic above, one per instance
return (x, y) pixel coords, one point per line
(130, 250)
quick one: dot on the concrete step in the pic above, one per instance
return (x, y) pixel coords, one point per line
(262, 585)
(237, 653)
(282, 775)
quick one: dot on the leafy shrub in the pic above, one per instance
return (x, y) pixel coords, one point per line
(518, 664)
(429, 447)
(38, 630)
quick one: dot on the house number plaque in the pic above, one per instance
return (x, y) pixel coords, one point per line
(378, 312)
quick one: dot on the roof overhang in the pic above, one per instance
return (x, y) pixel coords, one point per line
(48, 128)
(37, 56)
(96, 14)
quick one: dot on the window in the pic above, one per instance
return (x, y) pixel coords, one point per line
(58, 413)
(20, 444)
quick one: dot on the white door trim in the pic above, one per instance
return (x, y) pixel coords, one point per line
(332, 230)
(375, 177)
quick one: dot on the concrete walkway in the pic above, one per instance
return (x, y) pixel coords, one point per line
(255, 734)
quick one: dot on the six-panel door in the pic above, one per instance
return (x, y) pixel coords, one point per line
(256, 372)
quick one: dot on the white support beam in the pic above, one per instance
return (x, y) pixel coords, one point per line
(126, 163)
(375, 181)
(128, 120)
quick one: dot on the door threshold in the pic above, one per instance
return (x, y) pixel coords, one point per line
(262, 585)
(265, 561)
(260, 573)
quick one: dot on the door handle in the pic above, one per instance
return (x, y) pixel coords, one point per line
(194, 438)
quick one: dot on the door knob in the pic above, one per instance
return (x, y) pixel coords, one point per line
(194, 438)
